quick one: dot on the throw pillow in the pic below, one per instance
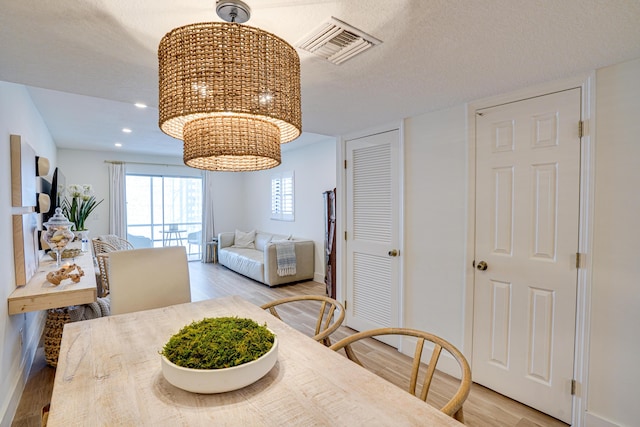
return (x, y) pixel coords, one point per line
(245, 239)
(262, 240)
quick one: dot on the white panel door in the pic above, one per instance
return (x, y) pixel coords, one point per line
(373, 218)
(527, 218)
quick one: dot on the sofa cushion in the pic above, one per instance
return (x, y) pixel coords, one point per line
(262, 239)
(280, 238)
(245, 239)
(248, 262)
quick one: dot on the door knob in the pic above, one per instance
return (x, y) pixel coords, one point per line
(394, 252)
(482, 266)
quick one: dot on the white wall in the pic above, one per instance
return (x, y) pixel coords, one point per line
(18, 116)
(435, 222)
(230, 201)
(242, 200)
(89, 167)
(614, 373)
(314, 169)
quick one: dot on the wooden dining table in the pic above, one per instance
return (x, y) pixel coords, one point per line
(109, 374)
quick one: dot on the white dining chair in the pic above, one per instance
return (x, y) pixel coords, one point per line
(141, 279)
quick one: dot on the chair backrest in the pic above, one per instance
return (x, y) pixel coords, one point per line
(101, 247)
(110, 243)
(326, 323)
(195, 237)
(454, 406)
(141, 279)
(102, 260)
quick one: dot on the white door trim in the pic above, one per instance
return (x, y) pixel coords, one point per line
(341, 212)
(587, 162)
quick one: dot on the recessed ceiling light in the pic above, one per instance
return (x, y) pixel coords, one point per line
(140, 105)
(117, 144)
(126, 130)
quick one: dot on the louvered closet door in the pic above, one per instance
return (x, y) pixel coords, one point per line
(372, 231)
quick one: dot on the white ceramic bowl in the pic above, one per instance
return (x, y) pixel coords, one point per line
(207, 381)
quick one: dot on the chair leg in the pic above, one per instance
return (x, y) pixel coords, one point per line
(459, 416)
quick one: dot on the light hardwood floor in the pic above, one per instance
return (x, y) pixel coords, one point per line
(482, 408)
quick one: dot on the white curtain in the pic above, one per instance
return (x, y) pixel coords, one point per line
(117, 200)
(208, 229)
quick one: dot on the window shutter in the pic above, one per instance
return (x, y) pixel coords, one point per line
(276, 194)
(282, 196)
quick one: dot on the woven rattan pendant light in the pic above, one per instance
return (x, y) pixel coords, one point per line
(231, 92)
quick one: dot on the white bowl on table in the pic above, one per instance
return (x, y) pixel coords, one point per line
(208, 381)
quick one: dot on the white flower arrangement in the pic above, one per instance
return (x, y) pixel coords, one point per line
(82, 203)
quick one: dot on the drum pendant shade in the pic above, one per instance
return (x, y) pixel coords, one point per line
(231, 92)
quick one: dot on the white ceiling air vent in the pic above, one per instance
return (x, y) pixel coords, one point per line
(337, 41)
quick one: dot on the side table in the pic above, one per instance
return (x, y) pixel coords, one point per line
(211, 251)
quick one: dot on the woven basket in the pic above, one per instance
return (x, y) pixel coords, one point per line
(56, 319)
(67, 253)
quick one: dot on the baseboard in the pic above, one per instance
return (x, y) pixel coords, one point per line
(13, 400)
(20, 381)
(318, 277)
(592, 420)
(17, 388)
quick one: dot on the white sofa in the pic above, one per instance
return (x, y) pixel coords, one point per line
(256, 257)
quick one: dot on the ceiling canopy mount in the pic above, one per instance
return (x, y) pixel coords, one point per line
(233, 11)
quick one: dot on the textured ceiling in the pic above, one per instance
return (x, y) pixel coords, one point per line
(435, 54)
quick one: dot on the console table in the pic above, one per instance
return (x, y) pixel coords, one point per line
(39, 294)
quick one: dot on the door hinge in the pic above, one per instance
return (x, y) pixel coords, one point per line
(574, 385)
(345, 235)
(580, 128)
(345, 304)
(345, 164)
(579, 260)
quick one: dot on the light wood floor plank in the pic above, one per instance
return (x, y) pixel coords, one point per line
(483, 407)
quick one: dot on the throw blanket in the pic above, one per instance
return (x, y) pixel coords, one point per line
(286, 258)
(100, 308)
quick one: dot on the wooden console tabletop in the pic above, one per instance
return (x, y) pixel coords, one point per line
(38, 294)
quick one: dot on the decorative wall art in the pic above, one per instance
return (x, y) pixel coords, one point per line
(25, 166)
(23, 173)
(54, 188)
(25, 246)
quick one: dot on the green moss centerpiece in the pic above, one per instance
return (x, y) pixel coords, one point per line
(219, 354)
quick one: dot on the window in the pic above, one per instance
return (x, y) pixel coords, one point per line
(282, 196)
(164, 210)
